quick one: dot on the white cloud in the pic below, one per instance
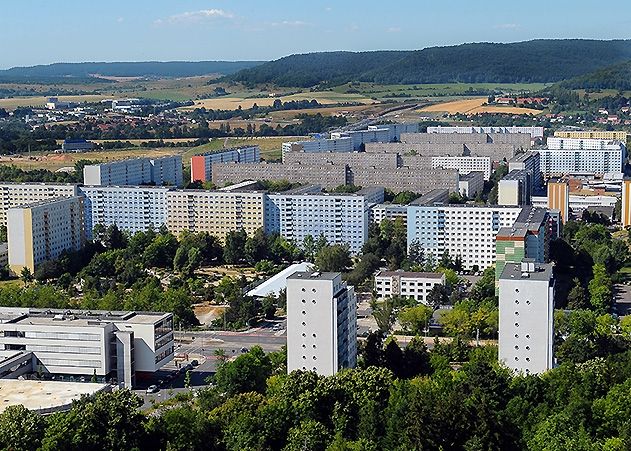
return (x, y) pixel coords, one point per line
(196, 16)
(290, 23)
(507, 26)
(394, 30)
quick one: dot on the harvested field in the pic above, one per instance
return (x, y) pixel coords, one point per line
(473, 106)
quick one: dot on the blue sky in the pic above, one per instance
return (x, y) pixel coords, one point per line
(47, 31)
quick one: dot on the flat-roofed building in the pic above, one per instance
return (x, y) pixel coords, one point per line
(16, 194)
(582, 156)
(471, 184)
(392, 212)
(609, 135)
(108, 345)
(167, 171)
(42, 231)
(515, 188)
(534, 132)
(528, 161)
(407, 284)
(626, 203)
(559, 197)
(202, 165)
(135, 171)
(344, 144)
(321, 323)
(464, 165)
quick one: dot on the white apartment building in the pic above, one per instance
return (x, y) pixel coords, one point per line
(132, 208)
(319, 146)
(80, 343)
(42, 231)
(341, 218)
(416, 285)
(321, 323)
(201, 165)
(464, 165)
(528, 161)
(535, 132)
(167, 170)
(557, 143)
(526, 324)
(392, 212)
(136, 171)
(16, 194)
(215, 212)
(465, 230)
(557, 162)
(382, 133)
(471, 184)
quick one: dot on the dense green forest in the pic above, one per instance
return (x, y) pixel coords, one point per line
(126, 69)
(531, 61)
(617, 77)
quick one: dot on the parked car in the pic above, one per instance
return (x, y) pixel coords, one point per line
(194, 363)
(152, 389)
(244, 350)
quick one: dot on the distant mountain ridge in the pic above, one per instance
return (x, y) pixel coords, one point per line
(129, 69)
(617, 76)
(542, 60)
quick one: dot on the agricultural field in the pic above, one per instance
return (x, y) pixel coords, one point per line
(473, 106)
(270, 146)
(40, 101)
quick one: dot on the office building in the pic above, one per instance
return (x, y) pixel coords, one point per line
(108, 345)
(559, 197)
(467, 231)
(614, 135)
(528, 237)
(528, 161)
(471, 185)
(201, 165)
(319, 145)
(515, 188)
(534, 132)
(626, 203)
(341, 218)
(132, 208)
(581, 156)
(415, 285)
(17, 194)
(42, 231)
(464, 165)
(526, 324)
(215, 212)
(321, 323)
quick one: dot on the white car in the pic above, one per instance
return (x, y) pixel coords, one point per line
(152, 389)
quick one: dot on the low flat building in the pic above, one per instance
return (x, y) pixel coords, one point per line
(415, 285)
(77, 145)
(105, 345)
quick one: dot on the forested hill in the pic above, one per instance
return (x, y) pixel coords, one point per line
(617, 76)
(530, 61)
(129, 69)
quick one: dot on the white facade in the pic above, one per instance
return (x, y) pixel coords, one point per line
(381, 133)
(201, 165)
(583, 144)
(471, 184)
(465, 230)
(167, 170)
(379, 212)
(17, 194)
(135, 171)
(416, 285)
(535, 132)
(526, 324)
(108, 344)
(341, 218)
(321, 323)
(464, 165)
(132, 208)
(581, 161)
(42, 231)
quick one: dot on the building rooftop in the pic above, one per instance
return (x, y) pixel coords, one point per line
(542, 271)
(471, 175)
(275, 284)
(523, 156)
(41, 203)
(314, 275)
(431, 197)
(411, 274)
(76, 317)
(516, 174)
(44, 396)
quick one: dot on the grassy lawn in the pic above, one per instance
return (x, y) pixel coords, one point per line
(270, 146)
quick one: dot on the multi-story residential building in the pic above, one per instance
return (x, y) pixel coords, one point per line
(318, 146)
(379, 212)
(529, 237)
(495, 151)
(467, 231)
(201, 165)
(108, 345)
(626, 203)
(582, 156)
(16, 194)
(464, 165)
(321, 323)
(416, 285)
(135, 171)
(615, 135)
(515, 188)
(132, 208)
(519, 140)
(167, 171)
(471, 184)
(528, 161)
(42, 231)
(341, 218)
(215, 212)
(534, 132)
(376, 133)
(559, 197)
(526, 324)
